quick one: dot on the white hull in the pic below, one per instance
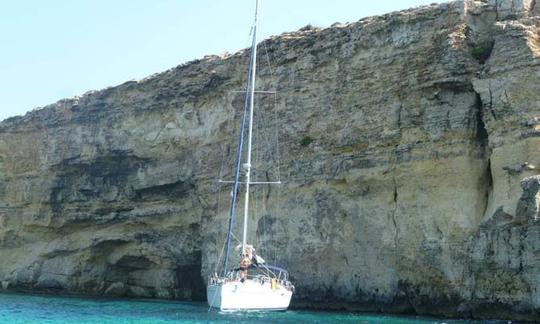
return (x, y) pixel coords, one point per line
(249, 295)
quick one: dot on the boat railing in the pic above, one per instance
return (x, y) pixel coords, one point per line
(262, 274)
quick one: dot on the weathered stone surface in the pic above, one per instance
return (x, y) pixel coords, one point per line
(504, 261)
(528, 207)
(404, 138)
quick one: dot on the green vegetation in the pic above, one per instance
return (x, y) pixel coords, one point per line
(306, 140)
(481, 53)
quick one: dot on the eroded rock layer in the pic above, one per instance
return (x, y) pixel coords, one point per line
(409, 145)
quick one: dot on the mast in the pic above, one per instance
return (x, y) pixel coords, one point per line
(247, 165)
(248, 108)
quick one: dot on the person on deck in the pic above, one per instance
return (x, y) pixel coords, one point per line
(244, 265)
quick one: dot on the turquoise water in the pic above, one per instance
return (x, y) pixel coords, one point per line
(30, 309)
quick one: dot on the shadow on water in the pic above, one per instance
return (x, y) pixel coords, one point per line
(18, 308)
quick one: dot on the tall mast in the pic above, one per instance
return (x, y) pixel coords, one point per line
(251, 90)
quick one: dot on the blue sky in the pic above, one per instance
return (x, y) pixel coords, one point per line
(56, 49)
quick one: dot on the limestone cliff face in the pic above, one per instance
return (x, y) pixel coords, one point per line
(408, 150)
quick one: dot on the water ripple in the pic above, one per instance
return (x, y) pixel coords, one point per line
(30, 309)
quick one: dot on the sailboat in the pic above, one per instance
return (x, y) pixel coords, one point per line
(252, 285)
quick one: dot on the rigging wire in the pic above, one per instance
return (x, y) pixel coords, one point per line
(269, 65)
(273, 80)
(260, 207)
(237, 173)
(219, 187)
(278, 192)
(238, 162)
(271, 170)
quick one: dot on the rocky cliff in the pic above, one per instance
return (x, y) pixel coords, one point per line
(409, 145)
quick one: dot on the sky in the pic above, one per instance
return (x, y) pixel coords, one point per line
(57, 49)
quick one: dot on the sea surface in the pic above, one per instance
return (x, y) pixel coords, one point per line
(29, 309)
